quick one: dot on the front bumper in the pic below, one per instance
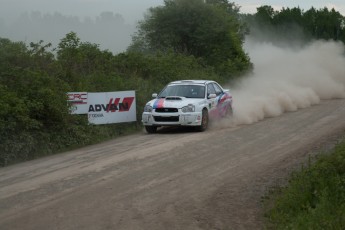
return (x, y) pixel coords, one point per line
(171, 119)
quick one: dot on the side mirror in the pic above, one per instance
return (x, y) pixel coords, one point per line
(154, 95)
(212, 95)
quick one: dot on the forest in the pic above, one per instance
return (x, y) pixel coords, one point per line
(184, 39)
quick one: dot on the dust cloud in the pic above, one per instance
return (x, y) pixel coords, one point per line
(288, 79)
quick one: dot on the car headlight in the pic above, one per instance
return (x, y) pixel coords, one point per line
(148, 108)
(188, 109)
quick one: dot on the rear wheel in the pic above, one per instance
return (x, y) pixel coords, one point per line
(204, 121)
(151, 129)
(229, 112)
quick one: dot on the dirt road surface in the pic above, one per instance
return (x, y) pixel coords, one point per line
(174, 179)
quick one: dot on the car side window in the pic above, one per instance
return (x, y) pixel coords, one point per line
(210, 89)
(218, 90)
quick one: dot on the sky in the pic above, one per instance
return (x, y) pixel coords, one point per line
(133, 10)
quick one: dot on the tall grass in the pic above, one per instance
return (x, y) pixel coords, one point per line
(314, 197)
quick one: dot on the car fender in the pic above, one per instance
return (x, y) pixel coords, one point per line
(201, 105)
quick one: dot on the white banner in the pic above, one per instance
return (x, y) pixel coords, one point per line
(111, 107)
(78, 102)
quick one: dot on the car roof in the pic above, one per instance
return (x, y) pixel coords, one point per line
(190, 82)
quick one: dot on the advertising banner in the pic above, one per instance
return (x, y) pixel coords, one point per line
(78, 102)
(111, 107)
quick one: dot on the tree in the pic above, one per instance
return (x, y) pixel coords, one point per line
(295, 25)
(265, 15)
(79, 59)
(329, 24)
(193, 27)
(12, 55)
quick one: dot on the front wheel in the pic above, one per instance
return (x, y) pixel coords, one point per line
(204, 121)
(151, 129)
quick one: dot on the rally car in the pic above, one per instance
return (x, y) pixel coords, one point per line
(187, 103)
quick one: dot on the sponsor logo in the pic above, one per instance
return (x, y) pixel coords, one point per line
(113, 105)
(77, 98)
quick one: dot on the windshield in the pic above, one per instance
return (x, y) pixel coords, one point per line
(188, 91)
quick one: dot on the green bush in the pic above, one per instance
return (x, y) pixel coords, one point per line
(315, 196)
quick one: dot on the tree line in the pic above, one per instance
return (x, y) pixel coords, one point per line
(295, 24)
(183, 39)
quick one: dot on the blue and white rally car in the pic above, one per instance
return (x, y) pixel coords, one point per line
(187, 103)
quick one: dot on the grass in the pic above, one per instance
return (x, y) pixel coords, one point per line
(314, 197)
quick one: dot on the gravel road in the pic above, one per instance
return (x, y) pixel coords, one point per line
(175, 179)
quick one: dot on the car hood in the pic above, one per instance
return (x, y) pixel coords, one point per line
(173, 102)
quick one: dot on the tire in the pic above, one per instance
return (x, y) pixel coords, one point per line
(204, 121)
(151, 129)
(229, 112)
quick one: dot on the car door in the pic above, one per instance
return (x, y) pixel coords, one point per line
(211, 101)
(217, 89)
(223, 100)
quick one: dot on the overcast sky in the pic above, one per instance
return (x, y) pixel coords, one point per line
(132, 10)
